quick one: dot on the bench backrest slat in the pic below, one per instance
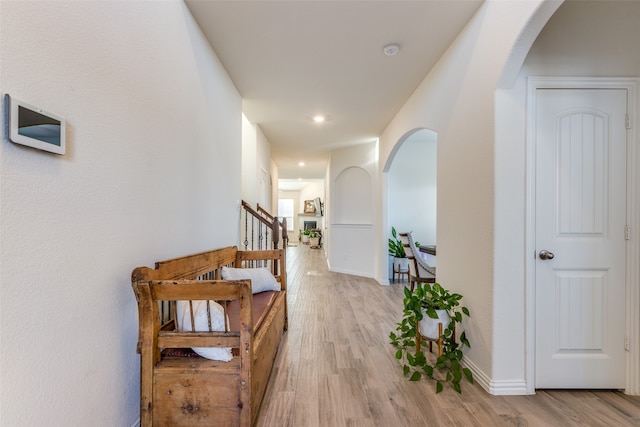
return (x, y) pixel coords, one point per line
(199, 290)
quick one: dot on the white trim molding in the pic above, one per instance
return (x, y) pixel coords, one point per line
(496, 388)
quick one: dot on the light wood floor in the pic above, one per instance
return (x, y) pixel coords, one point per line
(335, 367)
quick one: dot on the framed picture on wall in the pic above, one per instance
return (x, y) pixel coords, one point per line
(309, 206)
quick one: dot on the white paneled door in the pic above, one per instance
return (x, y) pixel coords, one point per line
(580, 220)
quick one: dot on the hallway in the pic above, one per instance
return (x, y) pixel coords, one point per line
(335, 367)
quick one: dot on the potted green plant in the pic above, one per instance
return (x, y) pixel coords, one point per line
(424, 303)
(314, 238)
(396, 250)
(305, 235)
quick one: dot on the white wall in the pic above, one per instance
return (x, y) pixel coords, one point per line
(596, 38)
(152, 171)
(274, 190)
(326, 238)
(457, 101)
(249, 162)
(256, 167)
(264, 180)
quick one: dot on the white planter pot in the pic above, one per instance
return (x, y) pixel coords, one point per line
(401, 264)
(428, 327)
(305, 238)
(314, 241)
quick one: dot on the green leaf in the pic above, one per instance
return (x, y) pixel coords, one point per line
(428, 369)
(439, 387)
(464, 340)
(456, 385)
(406, 370)
(465, 310)
(399, 354)
(411, 359)
(467, 373)
(415, 376)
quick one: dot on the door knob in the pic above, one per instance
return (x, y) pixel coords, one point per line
(545, 254)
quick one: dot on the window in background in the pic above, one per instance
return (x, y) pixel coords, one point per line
(285, 209)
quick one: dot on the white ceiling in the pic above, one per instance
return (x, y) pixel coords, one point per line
(296, 184)
(291, 60)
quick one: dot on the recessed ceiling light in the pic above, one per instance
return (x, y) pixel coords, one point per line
(391, 49)
(318, 119)
(300, 164)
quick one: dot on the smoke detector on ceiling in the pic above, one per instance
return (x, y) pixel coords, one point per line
(391, 49)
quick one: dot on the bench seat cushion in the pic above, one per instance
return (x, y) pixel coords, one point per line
(261, 303)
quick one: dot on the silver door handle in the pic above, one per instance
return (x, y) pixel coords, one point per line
(545, 254)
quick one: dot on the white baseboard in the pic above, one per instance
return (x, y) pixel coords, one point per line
(508, 388)
(496, 388)
(350, 272)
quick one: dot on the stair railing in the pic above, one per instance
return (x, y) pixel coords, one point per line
(282, 221)
(260, 230)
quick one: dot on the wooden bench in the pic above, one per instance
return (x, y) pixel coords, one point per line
(178, 387)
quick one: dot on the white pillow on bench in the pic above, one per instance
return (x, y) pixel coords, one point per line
(261, 278)
(200, 318)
